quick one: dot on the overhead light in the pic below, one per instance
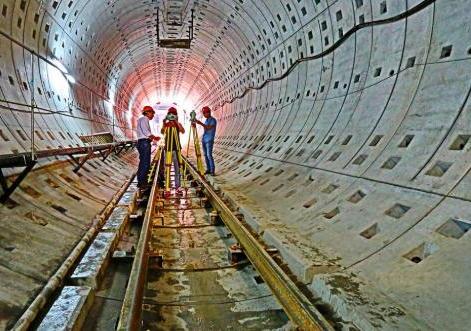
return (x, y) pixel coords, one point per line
(59, 65)
(70, 78)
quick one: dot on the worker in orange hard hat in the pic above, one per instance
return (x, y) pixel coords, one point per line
(171, 120)
(144, 139)
(208, 139)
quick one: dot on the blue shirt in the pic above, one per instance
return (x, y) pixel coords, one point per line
(209, 134)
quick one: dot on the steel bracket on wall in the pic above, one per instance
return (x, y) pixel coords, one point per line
(74, 160)
(105, 155)
(120, 150)
(8, 190)
(83, 160)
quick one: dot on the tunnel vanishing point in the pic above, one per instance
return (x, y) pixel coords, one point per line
(343, 140)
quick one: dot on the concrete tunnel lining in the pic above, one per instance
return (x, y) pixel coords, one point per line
(347, 150)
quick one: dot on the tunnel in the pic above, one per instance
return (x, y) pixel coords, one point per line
(342, 138)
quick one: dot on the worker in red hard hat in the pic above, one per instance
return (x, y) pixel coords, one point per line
(208, 139)
(171, 120)
(144, 139)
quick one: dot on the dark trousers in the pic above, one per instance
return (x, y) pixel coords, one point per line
(143, 147)
(208, 155)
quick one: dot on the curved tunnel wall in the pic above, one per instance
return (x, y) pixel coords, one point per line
(364, 152)
(360, 152)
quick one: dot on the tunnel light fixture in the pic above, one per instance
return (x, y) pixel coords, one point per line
(59, 66)
(70, 79)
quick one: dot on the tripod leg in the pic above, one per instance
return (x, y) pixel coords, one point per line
(199, 162)
(168, 157)
(179, 159)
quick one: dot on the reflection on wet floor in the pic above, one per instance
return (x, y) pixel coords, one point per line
(191, 283)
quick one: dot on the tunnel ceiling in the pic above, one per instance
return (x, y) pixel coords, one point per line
(111, 48)
(117, 41)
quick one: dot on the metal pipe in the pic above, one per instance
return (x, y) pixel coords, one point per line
(33, 102)
(57, 279)
(91, 112)
(191, 24)
(112, 123)
(158, 28)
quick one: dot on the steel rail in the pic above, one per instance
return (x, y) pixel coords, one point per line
(297, 306)
(131, 309)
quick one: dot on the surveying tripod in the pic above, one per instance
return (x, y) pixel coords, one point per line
(196, 141)
(172, 144)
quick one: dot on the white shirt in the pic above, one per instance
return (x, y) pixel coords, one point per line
(143, 128)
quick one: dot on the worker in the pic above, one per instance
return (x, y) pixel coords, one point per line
(171, 120)
(144, 139)
(208, 139)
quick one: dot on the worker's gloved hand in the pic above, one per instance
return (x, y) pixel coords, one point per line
(171, 124)
(193, 124)
(156, 138)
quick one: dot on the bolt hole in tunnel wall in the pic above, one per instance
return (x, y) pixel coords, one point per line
(343, 127)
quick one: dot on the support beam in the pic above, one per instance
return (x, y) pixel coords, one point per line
(10, 189)
(108, 153)
(3, 181)
(74, 160)
(82, 161)
(120, 150)
(101, 154)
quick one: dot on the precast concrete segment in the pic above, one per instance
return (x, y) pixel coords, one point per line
(72, 306)
(94, 262)
(69, 311)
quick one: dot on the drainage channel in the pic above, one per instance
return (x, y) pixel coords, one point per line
(191, 274)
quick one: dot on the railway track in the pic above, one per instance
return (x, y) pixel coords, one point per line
(193, 276)
(195, 266)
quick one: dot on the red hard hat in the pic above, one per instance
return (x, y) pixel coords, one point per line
(172, 110)
(205, 109)
(147, 109)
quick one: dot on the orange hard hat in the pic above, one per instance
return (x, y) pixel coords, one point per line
(172, 110)
(206, 109)
(148, 109)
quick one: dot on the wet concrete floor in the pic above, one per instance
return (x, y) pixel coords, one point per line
(191, 282)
